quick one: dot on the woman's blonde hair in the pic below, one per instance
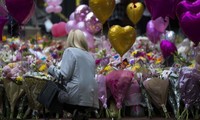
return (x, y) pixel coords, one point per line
(77, 39)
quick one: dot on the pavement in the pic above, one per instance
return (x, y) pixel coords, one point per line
(143, 118)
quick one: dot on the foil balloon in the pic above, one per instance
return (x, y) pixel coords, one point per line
(169, 35)
(72, 16)
(187, 5)
(3, 10)
(152, 33)
(80, 25)
(121, 38)
(135, 11)
(92, 23)
(167, 48)
(58, 29)
(161, 8)
(102, 9)
(20, 10)
(81, 11)
(190, 24)
(189, 19)
(70, 25)
(90, 40)
(3, 21)
(53, 6)
(161, 24)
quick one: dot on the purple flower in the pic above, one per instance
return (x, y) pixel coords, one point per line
(167, 48)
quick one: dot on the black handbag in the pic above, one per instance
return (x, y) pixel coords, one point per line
(48, 97)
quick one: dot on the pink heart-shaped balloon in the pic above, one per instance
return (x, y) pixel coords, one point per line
(58, 30)
(185, 6)
(190, 24)
(161, 8)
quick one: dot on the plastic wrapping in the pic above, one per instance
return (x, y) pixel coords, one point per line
(119, 82)
(33, 86)
(189, 83)
(13, 92)
(102, 92)
(158, 91)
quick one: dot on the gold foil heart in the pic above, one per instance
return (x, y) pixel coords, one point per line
(102, 9)
(135, 11)
(122, 38)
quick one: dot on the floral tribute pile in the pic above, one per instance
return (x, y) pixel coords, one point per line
(149, 79)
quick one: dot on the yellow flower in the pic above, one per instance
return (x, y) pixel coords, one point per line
(43, 67)
(41, 46)
(19, 78)
(192, 65)
(4, 38)
(136, 67)
(134, 52)
(150, 54)
(12, 65)
(158, 60)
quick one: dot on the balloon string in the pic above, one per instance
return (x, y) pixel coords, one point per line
(62, 16)
(134, 1)
(11, 27)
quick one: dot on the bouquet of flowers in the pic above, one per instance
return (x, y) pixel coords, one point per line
(118, 82)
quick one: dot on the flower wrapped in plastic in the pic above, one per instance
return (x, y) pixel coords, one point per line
(189, 84)
(174, 94)
(102, 90)
(133, 99)
(118, 82)
(158, 91)
(141, 75)
(33, 83)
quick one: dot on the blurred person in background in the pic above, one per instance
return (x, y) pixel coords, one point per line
(77, 75)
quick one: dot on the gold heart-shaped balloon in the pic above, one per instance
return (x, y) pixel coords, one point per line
(121, 38)
(135, 11)
(102, 9)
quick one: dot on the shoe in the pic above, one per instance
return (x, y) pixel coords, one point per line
(79, 115)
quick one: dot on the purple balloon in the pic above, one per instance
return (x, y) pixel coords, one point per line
(153, 35)
(21, 10)
(72, 16)
(92, 23)
(161, 8)
(184, 6)
(70, 25)
(188, 13)
(190, 24)
(80, 26)
(167, 48)
(81, 11)
(3, 11)
(161, 24)
(3, 21)
(89, 39)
